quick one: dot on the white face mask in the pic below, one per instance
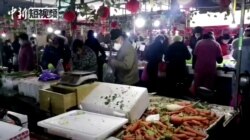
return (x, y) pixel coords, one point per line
(225, 41)
(20, 42)
(117, 46)
(197, 35)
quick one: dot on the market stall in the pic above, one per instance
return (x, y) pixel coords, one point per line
(79, 108)
(23, 83)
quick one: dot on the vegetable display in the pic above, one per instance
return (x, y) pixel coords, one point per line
(178, 121)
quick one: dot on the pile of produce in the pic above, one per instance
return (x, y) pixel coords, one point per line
(143, 130)
(179, 121)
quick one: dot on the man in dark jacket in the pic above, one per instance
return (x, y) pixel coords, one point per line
(94, 44)
(7, 55)
(197, 36)
(16, 47)
(25, 57)
(53, 53)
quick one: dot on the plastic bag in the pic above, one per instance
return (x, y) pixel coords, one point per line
(108, 74)
(48, 76)
(15, 59)
(60, 68)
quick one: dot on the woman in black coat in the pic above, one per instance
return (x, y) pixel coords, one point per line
(176, 56)
(154, 55)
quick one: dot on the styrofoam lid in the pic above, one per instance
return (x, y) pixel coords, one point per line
(84, 123)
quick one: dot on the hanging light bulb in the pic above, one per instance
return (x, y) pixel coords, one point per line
(140, 22)
(157, 23)
(50, 29)
(3, 35)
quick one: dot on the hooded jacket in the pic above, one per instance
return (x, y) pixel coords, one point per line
(126, 65)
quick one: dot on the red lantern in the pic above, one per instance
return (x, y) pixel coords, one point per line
(103, 12)
(69, 16)
(114, 24)
(133, 6)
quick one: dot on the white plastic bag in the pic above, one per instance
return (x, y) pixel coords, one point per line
(108, 74)
(60, 68)
(15, 60)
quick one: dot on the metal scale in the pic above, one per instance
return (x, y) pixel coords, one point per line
(77, 78)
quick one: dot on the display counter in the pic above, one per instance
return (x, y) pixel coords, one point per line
(183, 123)
(211, 115)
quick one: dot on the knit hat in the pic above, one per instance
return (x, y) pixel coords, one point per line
(115, 33)
(178, 39)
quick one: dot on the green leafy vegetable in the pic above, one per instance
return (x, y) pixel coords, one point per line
(150, 132)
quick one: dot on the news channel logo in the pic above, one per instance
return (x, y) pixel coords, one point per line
(35, 13)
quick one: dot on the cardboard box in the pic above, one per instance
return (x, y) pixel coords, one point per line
(81, 91)
(57, 100)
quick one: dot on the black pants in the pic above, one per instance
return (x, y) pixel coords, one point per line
(100, 70)
(153, 78)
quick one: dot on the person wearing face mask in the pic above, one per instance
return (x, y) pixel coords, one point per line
(197, 36)
(8, 54)
(84, 58)
(154, 54)
(125, 64)
(224, 44)
(53, 52)
(25, 57)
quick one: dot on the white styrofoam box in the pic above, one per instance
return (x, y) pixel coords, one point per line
(21, 117)
(9, 82)
(117, 100)
(82, 125)
(13, 132)
(30, 86)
